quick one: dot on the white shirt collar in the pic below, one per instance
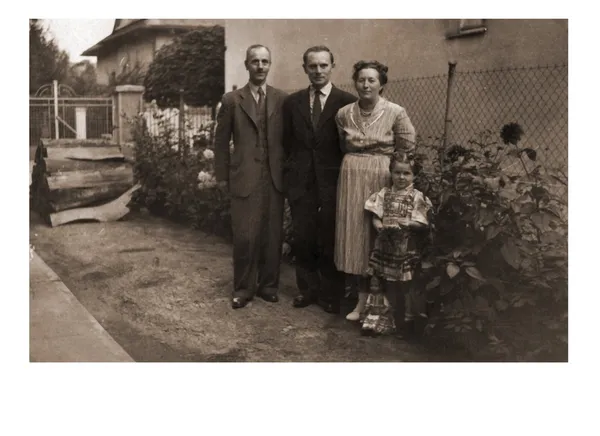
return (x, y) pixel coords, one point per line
(325, 90)
(254, 89)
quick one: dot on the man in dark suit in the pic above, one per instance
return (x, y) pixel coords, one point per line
(313, 159)
(252, 174)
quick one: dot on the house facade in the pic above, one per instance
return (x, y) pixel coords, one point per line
(135, 41)
(506, 71)
(410, 48)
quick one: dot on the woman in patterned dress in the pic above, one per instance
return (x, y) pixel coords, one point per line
(370, 131)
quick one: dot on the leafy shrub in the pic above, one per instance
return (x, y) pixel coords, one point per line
(497, 261)
(177, 185)
(181, 185)
(127, 76)
(495, 269)
(194, 63)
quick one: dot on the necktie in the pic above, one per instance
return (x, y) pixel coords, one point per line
(261, 100)
(316, 112)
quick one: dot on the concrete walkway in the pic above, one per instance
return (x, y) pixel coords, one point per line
(60, 328)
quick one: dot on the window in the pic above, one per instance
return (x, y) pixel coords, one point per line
(467, 27)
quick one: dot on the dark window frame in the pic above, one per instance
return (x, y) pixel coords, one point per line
(468, 27)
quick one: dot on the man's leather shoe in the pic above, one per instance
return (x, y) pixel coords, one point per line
(271, 298)
(331, 307)
(239, 302)
(303, 301)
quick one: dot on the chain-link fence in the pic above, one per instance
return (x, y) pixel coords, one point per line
(424, 99)
(534, 97)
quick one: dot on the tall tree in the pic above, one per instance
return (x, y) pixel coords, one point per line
(46, 61)
(194, 63)
(129, 75)
(82, 77)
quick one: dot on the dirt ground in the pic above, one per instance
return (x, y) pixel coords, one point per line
(163, 292)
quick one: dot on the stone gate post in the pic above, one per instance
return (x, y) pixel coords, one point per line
(128, 103)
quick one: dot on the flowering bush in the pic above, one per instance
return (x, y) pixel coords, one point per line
(179, 186)
(495, 266)
(208, 154)
(184, 188)
(496, 262)
(206, 180)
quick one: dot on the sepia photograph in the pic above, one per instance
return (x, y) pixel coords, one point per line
(259, 221)
(266, 191)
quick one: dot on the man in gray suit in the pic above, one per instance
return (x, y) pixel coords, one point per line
(252, 174)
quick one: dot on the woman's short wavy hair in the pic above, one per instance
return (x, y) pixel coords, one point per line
(381, 69)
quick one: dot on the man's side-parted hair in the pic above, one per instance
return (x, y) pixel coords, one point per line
(253, 46)
(316, 49)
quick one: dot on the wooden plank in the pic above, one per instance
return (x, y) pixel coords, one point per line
(90, 178)
(64, 199)
(52, 166)
(112, 211)
(75, 143)
(85, 153)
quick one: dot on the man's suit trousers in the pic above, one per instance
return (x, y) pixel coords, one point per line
(313, 215)
(257, 224)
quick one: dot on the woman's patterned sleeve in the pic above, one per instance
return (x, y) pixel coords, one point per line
(374, 203)
(405, 135)
(422, 204)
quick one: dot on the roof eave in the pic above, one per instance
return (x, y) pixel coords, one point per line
(92, 51)
(97, 48)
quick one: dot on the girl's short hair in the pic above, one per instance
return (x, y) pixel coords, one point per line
(381, 69)
(407, 157)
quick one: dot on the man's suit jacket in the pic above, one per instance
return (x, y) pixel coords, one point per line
(237, 120)
(312, 152)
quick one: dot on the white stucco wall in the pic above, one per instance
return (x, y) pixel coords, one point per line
(411, 48)
(419, 49)
(137, 51)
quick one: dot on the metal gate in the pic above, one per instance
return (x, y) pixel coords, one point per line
(57, 112)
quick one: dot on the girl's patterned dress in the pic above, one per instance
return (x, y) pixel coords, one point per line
(397, 249)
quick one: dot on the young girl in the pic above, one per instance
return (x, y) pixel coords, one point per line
(400, 218)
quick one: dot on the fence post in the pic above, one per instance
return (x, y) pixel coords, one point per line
(128, 105)
(447, 115)
(182, 144)
(55, 95)
(81, 122)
